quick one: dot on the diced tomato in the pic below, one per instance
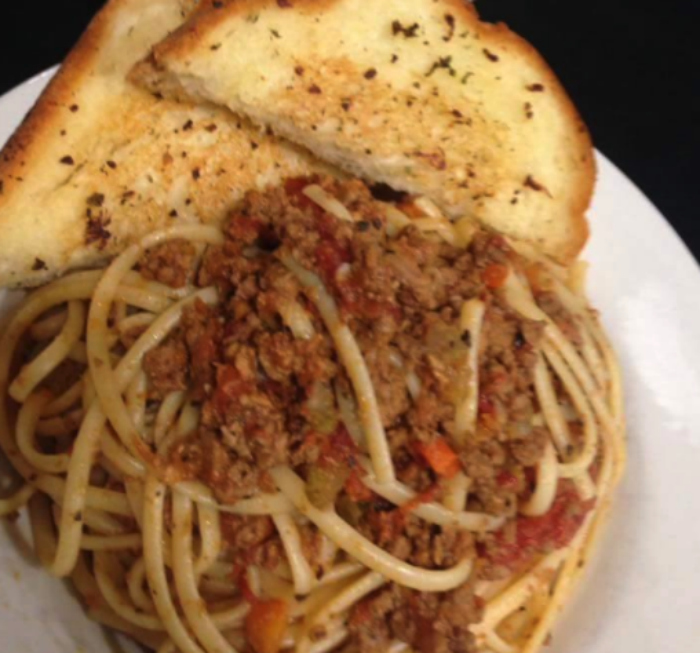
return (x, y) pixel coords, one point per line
(486, 406)
(507, 480)
(356, 489)
(361, 613)
(326, 225)
(266, 625)
(240, 578)
(440, 456)
(424, 497)
(295, 186)
(330, 255)
(495, 275)
(338, 449)
(559, 526)
(553, 530)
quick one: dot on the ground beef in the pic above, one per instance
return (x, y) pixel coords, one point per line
(251, 540)
(412, 539)
(202, 331)
(435, 547)
(166, 368)
(279, 355)
(401, 298)
(520, 540)
(245, 532)
(483, 460)
(428, 622)
(529, 449)
(204, 457)
(169, 263)
(390, 382)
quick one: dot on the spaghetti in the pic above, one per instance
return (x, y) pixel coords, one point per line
(351, 415)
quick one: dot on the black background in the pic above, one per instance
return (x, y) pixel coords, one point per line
(633, 69)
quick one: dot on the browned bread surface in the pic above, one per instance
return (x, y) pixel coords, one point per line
(419, 94)
(99, 162)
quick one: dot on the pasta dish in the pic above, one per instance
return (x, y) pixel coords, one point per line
(340, 422)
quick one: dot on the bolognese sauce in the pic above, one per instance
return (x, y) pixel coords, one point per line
(269, 396)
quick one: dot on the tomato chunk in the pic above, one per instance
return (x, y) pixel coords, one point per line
(486, 406)
(553, 530)
(338, 449)
(507, 480)
(356, 489)
(330, 255)
(295, 186)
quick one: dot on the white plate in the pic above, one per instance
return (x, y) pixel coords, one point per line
(642, 593)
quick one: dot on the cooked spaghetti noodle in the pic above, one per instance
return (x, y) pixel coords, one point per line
(338, 423)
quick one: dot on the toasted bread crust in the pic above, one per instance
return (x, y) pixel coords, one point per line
(99, 162)
(558, 226)
(583, 185)
(29, 140)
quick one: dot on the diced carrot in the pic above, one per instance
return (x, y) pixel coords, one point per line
(266, 625)
(495, 275)
(356, 489)
(440, 456)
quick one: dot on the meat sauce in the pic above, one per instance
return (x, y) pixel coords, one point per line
(512, 548)
(267, 398)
